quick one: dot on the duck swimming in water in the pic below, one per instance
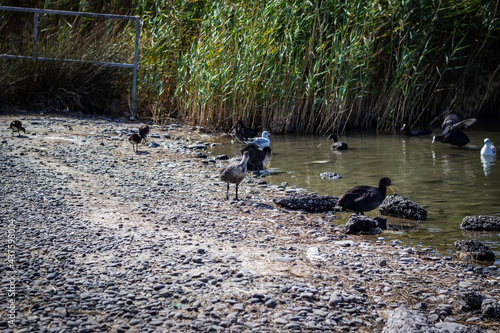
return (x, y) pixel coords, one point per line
(452, 130)
(249, 133)
(418, 132)
(364, 198)
(336, 145)
(488, 149)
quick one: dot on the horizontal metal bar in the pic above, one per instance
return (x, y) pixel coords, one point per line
(65, 12)
(100, 63)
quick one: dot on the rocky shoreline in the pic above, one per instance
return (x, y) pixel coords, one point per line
(102, 239)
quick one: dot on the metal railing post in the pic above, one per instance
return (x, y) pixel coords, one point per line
(35, 35)
(136, 61)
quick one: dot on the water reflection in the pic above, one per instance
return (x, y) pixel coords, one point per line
(487, 162)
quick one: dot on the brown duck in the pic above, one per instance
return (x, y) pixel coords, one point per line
(234, 173)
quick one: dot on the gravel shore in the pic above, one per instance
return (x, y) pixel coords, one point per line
(99, 238)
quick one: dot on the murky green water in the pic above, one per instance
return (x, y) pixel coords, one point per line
(449, 182)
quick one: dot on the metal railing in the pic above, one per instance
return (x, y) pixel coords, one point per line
(35, 57)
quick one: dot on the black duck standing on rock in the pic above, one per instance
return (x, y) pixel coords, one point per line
(234, 173)
(257, 156)
(364, 198)
(144, 132)
(452, 130)
(17, 126)
(336, 145)
(135, 139)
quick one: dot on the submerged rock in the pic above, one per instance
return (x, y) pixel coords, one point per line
(481, 223)
(310, 202)
(398, 206)
(361, 223)
(330, 175)
(476, 249)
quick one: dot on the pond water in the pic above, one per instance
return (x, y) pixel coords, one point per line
(449, 182)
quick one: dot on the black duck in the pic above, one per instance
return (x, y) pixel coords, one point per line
(364, 198)
(452, 130)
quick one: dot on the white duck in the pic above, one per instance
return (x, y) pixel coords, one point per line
(262, 141)
(488, 148)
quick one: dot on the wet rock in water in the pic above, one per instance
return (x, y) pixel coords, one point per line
(490, 308)
(361, 223)
(476, 249)
(398, 206)
(481, 223)
(404, 320)
(330, 175)
(310, 202)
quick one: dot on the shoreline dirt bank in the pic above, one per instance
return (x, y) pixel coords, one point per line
(109, 240)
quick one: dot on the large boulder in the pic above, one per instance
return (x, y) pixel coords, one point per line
(398, 206)
(363, 224)
(475, 249)
(481, 223)
(309, 202)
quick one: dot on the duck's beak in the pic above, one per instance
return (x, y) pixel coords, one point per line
(393, 187)
(433, 139)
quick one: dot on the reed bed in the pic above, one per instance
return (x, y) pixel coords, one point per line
(311, 66)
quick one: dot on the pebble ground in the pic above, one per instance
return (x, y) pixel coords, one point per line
(99, 238)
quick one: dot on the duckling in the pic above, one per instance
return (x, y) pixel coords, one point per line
(234, 173)
(17, 126)
(135, 139)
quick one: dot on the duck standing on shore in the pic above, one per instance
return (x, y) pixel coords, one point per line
(336, 145)
(144, 132)
(17, 126)
(234, 173)
(135, 139)
(452, 130)
(364, 198)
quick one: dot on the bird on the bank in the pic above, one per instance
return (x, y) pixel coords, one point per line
(336, 145)
(249, 133)
(452, 130)
(418, 132)
(135, 139)
(364, 198)
(238, 135)
(261, 141)
(488, 149)
(144, 132)
(257, 156)
(234, 173)
(17, 126)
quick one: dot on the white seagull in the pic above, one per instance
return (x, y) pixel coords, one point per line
(488, 148)
(262, 141)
